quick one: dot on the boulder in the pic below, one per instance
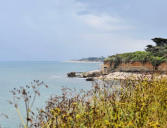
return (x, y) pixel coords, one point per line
(90, 79)
(95, 73)
(71, 74)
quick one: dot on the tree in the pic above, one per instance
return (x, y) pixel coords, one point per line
(160, 49)
(160, 41)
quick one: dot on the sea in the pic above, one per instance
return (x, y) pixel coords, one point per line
(21, 73)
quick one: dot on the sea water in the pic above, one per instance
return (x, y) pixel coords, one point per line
(16, 74)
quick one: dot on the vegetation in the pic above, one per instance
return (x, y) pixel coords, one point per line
(160, 49)
(137, 104)
(153, 54)
(95, 59)
(140, 103)
(28, 95)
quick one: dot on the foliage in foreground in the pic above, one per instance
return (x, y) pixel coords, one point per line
(141, 104)
(28, 95)
(133, 104)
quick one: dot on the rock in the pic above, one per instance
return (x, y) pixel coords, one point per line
(90, 79)
(88, 75)
(71, 74)
(75, 74)
(95, 73)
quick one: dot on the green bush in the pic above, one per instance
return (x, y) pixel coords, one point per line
(156, 61)
(139, 56)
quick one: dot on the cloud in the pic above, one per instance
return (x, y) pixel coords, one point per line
(104, 22)
(101, 20)
(116, 41)
(109, 44)
(148, 16)
(45, 29)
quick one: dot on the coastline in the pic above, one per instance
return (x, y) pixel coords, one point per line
(131, 76)
(78, 61)
(97, 75)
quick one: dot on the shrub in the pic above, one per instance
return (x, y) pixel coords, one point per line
(156, 61)
(140, 56)
(28, 95)
(137, 104)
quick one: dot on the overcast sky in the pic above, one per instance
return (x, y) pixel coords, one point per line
(72, 29)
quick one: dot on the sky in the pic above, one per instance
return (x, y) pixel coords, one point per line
(72, 29)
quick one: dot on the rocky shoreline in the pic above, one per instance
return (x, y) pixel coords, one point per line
(89, 76)
(97, 74)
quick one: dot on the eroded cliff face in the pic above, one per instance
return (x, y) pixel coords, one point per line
(136, 66)
(162, 67)
(133, 67)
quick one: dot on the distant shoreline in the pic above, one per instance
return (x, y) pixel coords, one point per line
(79, 61)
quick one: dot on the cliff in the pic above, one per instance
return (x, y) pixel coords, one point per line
(153, 59)
(133, 67)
